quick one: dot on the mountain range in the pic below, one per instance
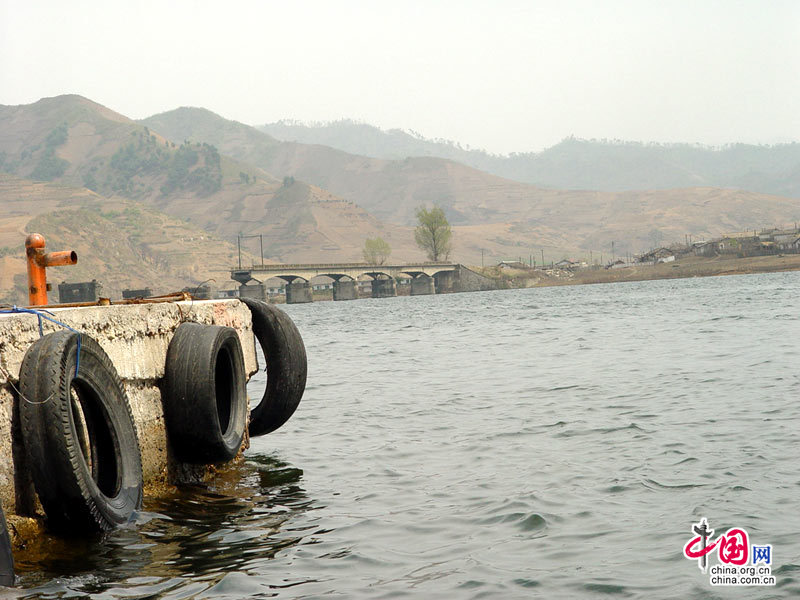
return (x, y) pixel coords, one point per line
(171, 194)
(575, 163)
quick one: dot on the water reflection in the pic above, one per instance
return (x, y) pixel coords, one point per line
(200, 538)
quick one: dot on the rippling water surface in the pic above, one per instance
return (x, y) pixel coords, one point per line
(555, 442)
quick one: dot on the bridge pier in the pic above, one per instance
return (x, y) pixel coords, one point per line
(422, 285)
(384, 288)
(448, 277)
(298, 292)
(445, 282)
(257, 291)
(345, 290)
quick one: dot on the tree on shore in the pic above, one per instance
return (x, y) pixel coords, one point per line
(376, 251)
(433, 234)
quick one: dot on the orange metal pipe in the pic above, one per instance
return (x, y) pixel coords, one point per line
(60, 259)
(38, 261)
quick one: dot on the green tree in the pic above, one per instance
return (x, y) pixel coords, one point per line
(57, 137)
(49, 167)
(433, 234)
(376, 251)
(89, 182)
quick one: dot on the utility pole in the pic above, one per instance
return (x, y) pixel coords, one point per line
(543, 258)
(244, 237)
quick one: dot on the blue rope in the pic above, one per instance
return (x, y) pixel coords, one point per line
(42, 314)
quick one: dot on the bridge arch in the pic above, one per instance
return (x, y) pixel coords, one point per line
(293, 278)
(378, 275)
(337, 276)
(346, 276)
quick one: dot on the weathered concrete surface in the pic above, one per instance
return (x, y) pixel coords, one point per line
(298, 292)
(135, 337)
(345, 290)
(462, 279)
(422, 285)
(258, 291)
(384, 288)
(468, 280)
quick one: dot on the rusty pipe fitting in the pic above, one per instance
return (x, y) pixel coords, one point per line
(60, 259)
(38, 261)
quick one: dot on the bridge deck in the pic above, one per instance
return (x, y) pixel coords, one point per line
(328, 266)
(353, 270)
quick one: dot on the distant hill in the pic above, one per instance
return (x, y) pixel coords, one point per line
(81, 143)
(368, 140)
(389, 189)
(576, 163)
(231, 137)
(512, 217)
(313, 203)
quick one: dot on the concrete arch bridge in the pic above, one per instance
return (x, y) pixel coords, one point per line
(426, 278)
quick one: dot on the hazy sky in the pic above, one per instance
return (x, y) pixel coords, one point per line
(501, 75)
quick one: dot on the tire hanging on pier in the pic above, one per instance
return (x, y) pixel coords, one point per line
(78, 432)
(205, 401)
(286, 366)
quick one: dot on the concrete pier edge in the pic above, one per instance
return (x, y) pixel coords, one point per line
(135, 337)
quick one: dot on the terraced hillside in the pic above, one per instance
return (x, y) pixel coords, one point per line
(120, 242)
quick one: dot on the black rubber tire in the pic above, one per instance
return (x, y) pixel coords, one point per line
(79, 434)
(205, 400)
(6, 556)
(286, 366)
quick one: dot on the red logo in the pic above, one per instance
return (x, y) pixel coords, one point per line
(733, 546)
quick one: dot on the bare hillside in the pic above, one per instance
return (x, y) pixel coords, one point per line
(73, 142)
(511, 217)
(121, 243)
(314, 203)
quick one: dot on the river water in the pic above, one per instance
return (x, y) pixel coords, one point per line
(555, 442)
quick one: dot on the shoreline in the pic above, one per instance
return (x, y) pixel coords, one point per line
(679, 269)
(684, 268)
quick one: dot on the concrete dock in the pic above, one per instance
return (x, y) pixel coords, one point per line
(136, 338)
